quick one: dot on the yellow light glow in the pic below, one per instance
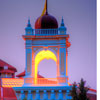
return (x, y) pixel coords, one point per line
(44, 54)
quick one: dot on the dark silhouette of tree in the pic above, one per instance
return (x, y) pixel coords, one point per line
(79, 92)
(83, 90)
(73, 92)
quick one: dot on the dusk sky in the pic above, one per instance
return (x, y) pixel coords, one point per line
(80, 20)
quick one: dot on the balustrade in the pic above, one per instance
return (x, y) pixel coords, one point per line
(29, 96)
(37, 96)
(12, 82)
(46, 31)
(45, 95)
(19, 82)
(22, 95)
(53, 95)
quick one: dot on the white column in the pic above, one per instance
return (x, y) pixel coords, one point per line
(29, 96)
(45, 95)
(60, 95)
(22, 95)
(28, 61)
(52, 97)
(68, 97)
(37, 96)
(62, 78)
(62, 61)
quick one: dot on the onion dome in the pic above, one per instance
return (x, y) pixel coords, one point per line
(46, 21)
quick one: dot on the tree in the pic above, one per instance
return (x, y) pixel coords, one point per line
(79, 92)
(83, 90)
(74, 92)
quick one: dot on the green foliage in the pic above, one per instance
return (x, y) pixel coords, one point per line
(79, 92)
(83, 90)
(73, 92)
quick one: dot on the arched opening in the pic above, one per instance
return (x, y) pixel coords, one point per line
(44, 54)
(47, 68)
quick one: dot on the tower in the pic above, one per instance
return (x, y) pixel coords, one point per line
(46, 41)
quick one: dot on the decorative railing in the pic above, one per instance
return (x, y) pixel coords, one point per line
(41, 81)
(47, 81)
(46, 31)
(12, 82)
(41, 93)
(19, 82)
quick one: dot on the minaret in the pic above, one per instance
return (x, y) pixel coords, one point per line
(29, 29)
(62, 27)
(47, 41)
(29, 24)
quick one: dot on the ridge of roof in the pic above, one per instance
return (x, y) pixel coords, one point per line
(3, 63)
(23, 74)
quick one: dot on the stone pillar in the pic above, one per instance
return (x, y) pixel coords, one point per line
(45, 95)
(67, 94)
(37, 96)
(60, 95)
(29, 96)
(28, 79)
(28, 69)
(52, 97)
(22, 95)
(62, 78)
(68, 97)
(33, 62)
(62, 61)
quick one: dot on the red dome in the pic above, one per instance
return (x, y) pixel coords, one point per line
(46, 22)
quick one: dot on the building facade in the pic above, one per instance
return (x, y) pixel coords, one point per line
(46, 41)
(7, 70)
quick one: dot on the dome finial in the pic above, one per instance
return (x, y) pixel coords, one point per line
(28, 20)
(45, 10)
(62, 19)
(62, 22)
(29, 24)
(46, 6)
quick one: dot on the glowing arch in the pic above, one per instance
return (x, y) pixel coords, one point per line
(44, 54)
